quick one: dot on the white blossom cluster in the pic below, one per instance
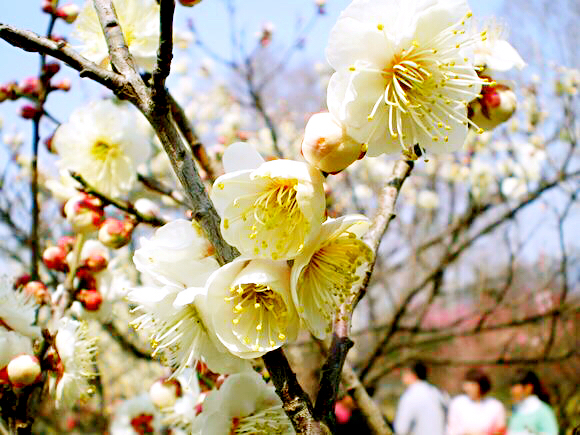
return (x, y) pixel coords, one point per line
(406, 77)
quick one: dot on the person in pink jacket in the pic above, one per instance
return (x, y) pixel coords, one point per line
(474, 413)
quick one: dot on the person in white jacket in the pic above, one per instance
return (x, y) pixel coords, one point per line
(422, 407)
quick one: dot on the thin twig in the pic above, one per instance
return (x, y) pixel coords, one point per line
(165, 51)
(127, 207)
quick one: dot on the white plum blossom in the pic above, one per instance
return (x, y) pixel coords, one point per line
(428, 199)
(139, 21)
(268, 209)
(178, 254)
(77, 354)
(178, 261)
(325, 274)
(244, 404)
(252, 309)
(403, 74)
(179, 325)
(495, 54)
(181, 414)
(481, 177)
(101, 143)
(17, 310)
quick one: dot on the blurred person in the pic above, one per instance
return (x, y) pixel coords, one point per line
(421, 409)
(473, 413)
(532, 413)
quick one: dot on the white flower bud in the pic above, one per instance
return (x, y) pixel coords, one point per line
(327, 146)
(164, 393)
(84, 213)
(23, 370)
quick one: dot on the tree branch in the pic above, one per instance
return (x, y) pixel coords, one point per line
(296, 403)
(195, 145)
(165, 52)
(341, 344)
(30, 41)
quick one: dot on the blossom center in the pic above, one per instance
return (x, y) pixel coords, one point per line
(101, 150)
(142, 424)
(426, 84)
(276, 203)
(260, 315)
(274, 218)
(332, 269)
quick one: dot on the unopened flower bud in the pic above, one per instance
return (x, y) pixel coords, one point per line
(50, 69)
(22, 280)
(115, 233)
(63, 85)
(84, 213)
(28, 111)
(23, 370)
(327, 146)
(49, 6)
(37, 290)
(48, 144)
(68, 12)
(54, 257)
(67, 243)
(164, 393)
(94, 256)
(189, 3)
(30, 87)
(86, 278)
(266, 34)
(9, 91)
(496, 105)
(91, 299)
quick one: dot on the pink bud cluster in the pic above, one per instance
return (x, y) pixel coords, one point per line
(86, 215)
(68, 12)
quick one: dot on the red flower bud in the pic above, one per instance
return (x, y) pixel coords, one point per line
(67, 243)
(29, 111)
(189, 3)
(68, 12)
(54, 257)
(115, 233)
(30, 87)
(50, 69)
(91, 299)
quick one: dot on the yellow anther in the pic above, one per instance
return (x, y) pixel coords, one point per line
(226, 224)
(380, 26)
(352, 68)
(220, 185)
